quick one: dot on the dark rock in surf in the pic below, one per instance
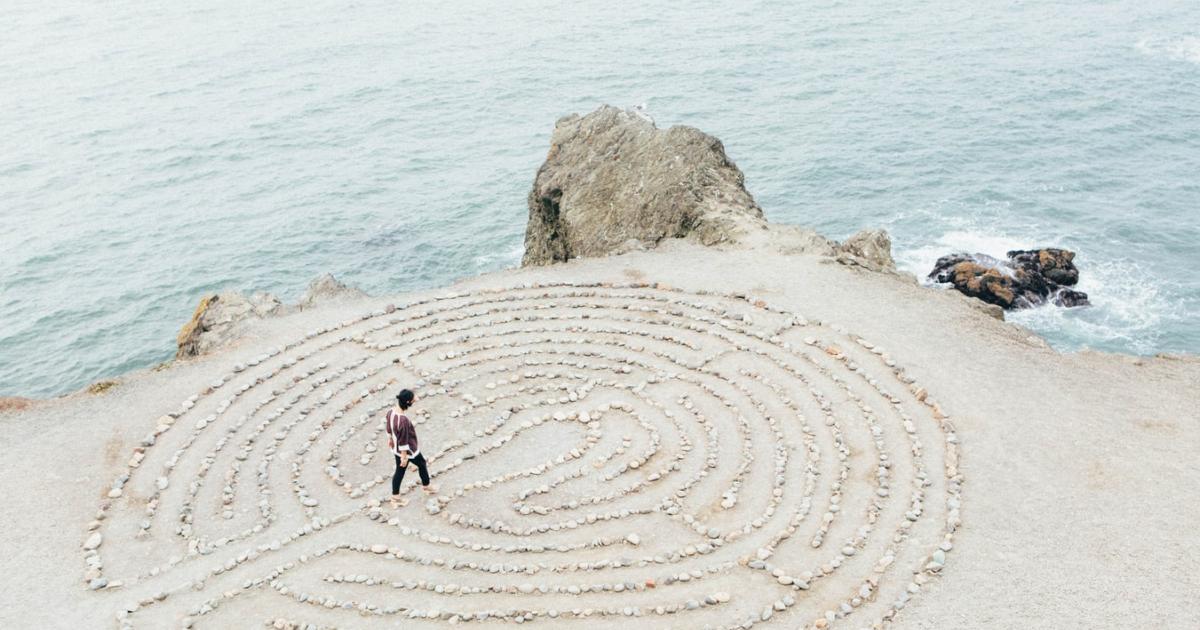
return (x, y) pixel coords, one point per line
(1071, 297)
(1027, 278)
(1055, 265)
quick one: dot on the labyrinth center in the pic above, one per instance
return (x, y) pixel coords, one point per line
(605, 455)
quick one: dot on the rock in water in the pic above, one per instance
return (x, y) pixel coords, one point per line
(1057, 265)
(612, 182)
(1070, 297)
(1027, 278)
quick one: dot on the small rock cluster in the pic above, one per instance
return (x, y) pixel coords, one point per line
(1027, 278)
(603, 451)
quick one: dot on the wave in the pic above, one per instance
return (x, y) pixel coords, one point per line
(1178, 48)
(1129, 313)
(920, 260)
(500, 258)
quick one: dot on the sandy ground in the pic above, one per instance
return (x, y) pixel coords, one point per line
(1079, 472)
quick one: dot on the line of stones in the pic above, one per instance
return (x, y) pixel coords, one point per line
(204, 423)
(453, 588)
(816, 541)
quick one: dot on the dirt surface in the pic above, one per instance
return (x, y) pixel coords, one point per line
(680, 438)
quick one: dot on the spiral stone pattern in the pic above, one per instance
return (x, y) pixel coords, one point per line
(605, 455)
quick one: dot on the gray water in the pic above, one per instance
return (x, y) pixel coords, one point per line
(154, 151)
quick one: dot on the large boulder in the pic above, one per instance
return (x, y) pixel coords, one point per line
(1027, 278)
(1057, 266)
(870, 249)
(221, 318)
(613, 181)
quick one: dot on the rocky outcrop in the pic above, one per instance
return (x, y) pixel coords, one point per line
(1027, 278)
(612, 182)
(326, 288)
(217, 320)
(870, 249)
(220, 318)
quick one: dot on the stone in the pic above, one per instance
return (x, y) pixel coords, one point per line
(612, 181)
(220, 318)
(93, 541)
(1027, 278)
(869, 249)
(325, 288)
(100, 387)
(1057, 265)
(217, 321)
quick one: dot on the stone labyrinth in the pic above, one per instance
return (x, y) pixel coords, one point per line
(605, 455)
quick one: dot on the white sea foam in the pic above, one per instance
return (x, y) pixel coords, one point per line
(1130, 306)
(1177, 48)
(510, 257)
(920, 260)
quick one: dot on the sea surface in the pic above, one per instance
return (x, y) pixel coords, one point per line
(154, 151)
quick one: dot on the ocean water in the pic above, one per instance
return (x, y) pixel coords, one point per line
(154, 151)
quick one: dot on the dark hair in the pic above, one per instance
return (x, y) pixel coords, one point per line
(405, 398)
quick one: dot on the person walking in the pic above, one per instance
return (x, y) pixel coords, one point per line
(402, 441)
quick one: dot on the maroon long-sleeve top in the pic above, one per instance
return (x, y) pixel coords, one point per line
(404, 436)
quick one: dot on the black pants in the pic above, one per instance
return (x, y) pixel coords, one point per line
(398, 476)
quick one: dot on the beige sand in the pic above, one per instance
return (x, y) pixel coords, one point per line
(1078, 509)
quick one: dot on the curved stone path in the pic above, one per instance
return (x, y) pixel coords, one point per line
(605, 456)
